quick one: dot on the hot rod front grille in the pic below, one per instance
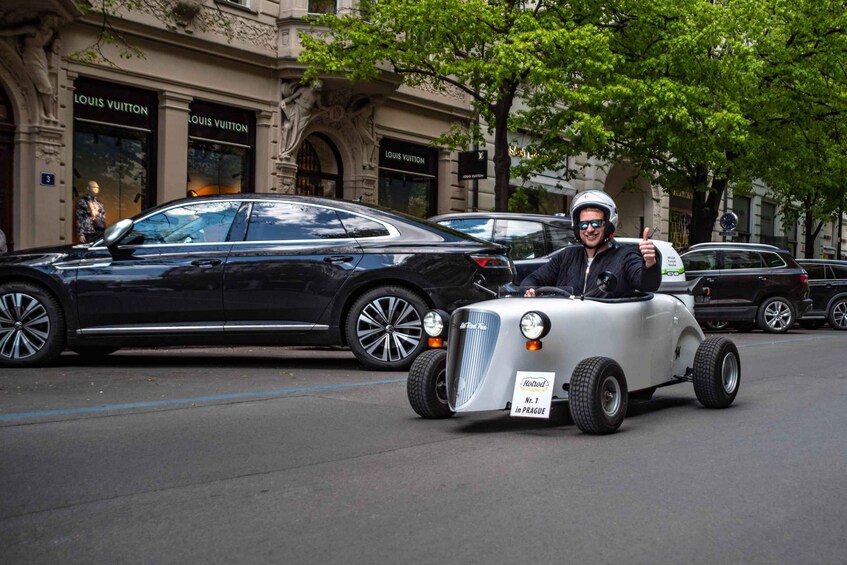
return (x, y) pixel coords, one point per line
(473, 335)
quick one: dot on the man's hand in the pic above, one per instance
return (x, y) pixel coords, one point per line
(648, 250)
(530, 292)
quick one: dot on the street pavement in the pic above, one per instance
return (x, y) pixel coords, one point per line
(299, 455)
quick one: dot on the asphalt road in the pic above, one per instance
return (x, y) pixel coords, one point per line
(295, 455)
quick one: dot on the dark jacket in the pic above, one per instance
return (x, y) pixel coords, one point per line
(567, 269)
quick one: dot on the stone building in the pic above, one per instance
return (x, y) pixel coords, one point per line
(215, 104)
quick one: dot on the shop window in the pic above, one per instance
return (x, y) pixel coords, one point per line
(113, 146)
(221, 142)
(407, 179)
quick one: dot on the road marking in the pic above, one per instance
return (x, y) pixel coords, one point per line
(177, 401)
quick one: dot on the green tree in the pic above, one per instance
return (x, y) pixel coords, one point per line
(685, 75)
(492, 50)
(802, 110)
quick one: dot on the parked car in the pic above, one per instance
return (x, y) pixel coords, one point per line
(531, 238)
(828, 287)
(748, 285)
(527, 354)
(245, 269)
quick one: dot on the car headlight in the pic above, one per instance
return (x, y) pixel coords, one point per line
(435, 323)
(535, 325)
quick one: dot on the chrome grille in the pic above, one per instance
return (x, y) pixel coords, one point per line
(473, 335)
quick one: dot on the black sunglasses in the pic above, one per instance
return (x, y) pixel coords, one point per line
(594, 224)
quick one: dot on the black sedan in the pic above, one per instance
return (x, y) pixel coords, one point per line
(245, 270)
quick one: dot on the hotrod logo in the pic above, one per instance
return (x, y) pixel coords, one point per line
(534, 384)
(473, 326)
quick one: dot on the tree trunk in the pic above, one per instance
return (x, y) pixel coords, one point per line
(502, 159)
(705, 206)
(812, 231)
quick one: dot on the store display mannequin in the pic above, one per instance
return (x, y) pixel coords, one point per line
(90, 215)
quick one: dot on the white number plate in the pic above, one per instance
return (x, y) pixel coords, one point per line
(533, 394)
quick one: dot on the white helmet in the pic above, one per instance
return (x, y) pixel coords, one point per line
(595, 199)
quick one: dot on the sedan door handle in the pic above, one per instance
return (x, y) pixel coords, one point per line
(206, 263)
(338, 259)
(764, 278)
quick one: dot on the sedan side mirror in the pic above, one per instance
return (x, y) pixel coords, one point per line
(117, 231)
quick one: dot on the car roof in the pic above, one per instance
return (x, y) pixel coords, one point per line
(545, 218)
(734, 245)
(824, 261)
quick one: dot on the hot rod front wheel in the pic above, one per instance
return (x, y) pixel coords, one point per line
(717, 372)
(426, 386)
(598, 396)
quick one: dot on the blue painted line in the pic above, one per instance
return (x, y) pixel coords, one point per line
(177, 401)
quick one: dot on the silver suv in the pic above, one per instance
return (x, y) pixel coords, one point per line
(748, 285)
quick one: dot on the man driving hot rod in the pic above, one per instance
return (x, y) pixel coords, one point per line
(595, 217)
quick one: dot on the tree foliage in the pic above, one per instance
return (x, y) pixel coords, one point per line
(492, 50)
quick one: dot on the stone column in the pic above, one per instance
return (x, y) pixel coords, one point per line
(172, 152)
(263, 150)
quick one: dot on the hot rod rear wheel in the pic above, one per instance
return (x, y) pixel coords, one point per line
(426, 386)
(717, 372)
(384, 328)
(32, 326)
(598, 396)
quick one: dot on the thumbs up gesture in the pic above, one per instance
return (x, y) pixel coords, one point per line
(648, 250)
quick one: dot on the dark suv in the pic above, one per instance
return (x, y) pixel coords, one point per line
(828, 285)
(749, 284)
(531, 238)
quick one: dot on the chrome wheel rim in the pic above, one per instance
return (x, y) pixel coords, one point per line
(389, 329)
(778, 315)
(729, 373)
(610, 396)
(24, 325)
(839, 314)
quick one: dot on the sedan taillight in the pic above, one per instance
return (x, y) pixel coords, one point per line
(491, 261)
(804, 278)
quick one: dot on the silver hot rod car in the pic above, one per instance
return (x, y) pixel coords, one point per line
(526, 354)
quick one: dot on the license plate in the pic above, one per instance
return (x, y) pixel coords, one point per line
(533, 394)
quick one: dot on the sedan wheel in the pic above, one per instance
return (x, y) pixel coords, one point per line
(776, 315)
(385, 328)
(838, 314)
(32, 329)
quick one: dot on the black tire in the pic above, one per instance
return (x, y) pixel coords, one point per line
(810, 324)
(385, 328)
(717, 372)
(837, 316)
(598, 396)
(93, 350)
(776, 315)
(426, 386)
(32, 326)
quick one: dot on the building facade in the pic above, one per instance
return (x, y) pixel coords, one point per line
(215, 104)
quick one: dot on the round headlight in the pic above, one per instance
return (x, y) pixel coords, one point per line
(434, 323)
(535, 325)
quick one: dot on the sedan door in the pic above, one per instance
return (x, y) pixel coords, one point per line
(290, 268)
(165, 276)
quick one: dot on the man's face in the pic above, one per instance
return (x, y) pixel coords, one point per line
(591, 237)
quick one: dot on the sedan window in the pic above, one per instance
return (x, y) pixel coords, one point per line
(360, 227)
(276, 221)
(525, 239)
(482, 228)
(815, 271)
(204, 222)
